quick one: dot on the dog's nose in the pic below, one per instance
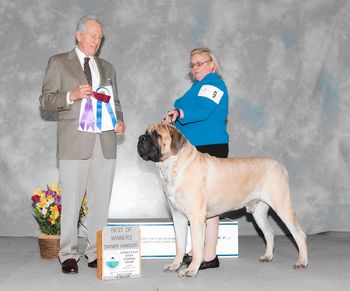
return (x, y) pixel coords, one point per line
(142, 138)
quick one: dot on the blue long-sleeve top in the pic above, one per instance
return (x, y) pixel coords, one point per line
(205, 107)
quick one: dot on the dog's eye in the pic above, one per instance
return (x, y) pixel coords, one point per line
(155, 135)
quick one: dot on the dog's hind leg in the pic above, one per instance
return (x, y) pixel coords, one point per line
(287, 215)
(279, 198)
(261, 219)
(181, 229)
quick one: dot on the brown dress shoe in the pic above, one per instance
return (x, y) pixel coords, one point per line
(70, 266)
(93, 264)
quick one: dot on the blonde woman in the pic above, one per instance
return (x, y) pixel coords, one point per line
(200, 114)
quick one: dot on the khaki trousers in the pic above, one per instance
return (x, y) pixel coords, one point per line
(95, 177)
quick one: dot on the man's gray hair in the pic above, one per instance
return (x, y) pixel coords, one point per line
(81, 25)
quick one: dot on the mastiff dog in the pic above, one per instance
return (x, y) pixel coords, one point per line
(199, 186)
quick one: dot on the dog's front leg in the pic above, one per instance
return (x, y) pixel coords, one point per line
(197, 237)
(181, 228)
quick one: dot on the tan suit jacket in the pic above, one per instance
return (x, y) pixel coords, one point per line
(63, 74)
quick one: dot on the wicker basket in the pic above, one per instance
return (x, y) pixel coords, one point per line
(49, 246)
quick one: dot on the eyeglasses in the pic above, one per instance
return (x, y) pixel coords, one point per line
(198, 64)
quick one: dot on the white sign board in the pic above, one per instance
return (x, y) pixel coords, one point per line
(118, 252)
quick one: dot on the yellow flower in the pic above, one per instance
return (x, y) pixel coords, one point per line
(42, 197)
(84, 202)
(52, 220)
(54, 214)
(43, 203)
(54, 187)
(83, 208)
(54, 210)
(38, 192)
(50, 199)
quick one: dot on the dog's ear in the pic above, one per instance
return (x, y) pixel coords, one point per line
(177, 140)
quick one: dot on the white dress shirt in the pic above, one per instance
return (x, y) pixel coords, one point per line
(94, 71)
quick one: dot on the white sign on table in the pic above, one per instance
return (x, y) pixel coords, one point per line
(118, 252)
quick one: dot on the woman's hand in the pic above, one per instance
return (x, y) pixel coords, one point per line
(173, 115)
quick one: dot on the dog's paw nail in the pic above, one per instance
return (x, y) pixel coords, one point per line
(299, 266)
(185, 274)
(171, 268)
(265, 259)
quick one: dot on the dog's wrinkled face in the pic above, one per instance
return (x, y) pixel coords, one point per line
(160, 141)
(147, 146)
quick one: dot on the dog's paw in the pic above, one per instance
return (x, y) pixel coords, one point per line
(171, 267)
(299, 266)
(266, 258)
(187, 273)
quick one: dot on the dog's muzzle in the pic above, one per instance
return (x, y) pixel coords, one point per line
(148, 148)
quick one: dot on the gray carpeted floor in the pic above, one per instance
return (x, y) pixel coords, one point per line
(22, 268)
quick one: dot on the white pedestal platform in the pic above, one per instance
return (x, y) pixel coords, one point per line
(158, 237)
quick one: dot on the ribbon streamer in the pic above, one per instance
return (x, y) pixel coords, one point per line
(88, 116)
(111, 114)
(99, 114)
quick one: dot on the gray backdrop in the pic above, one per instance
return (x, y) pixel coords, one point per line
(286, 65)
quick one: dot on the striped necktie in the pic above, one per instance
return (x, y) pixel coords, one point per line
(87, 71)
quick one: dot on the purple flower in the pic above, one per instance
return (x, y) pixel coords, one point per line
(57, 198)
(49, 193)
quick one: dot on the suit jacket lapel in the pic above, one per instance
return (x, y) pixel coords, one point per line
(76, 66)
(78, 70)
(101, 71)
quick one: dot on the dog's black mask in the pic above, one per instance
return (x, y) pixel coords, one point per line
(148, 148)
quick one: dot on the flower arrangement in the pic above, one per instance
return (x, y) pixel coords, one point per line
(83, 211)
(47, 209)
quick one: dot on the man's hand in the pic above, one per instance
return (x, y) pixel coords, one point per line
(80, 92)
(120, 128)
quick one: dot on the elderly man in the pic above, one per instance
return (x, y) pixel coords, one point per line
(86, 159)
